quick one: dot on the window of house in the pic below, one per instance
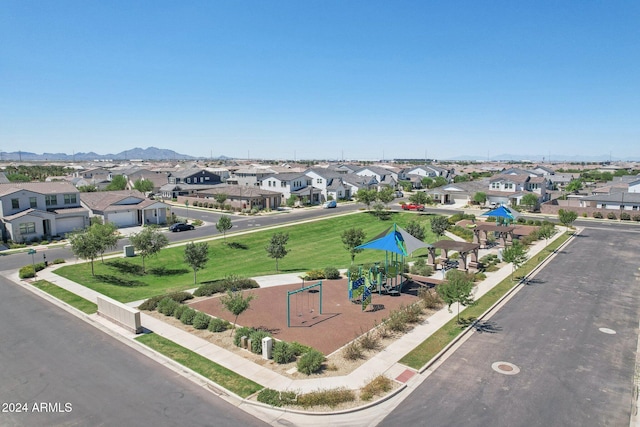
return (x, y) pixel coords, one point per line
(508, 185)
(188, 180)
(206, 178)
(33, 202)
(15, 203)
(51, 199)
(27, 227)
(283, 184)
(495, 185)
(318, 181)
(70, 199)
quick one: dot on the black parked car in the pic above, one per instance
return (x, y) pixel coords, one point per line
(181, 226)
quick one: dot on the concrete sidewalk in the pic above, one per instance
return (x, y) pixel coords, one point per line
(385, 362)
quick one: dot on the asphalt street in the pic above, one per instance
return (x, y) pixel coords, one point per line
(79, 376)
(568, 339)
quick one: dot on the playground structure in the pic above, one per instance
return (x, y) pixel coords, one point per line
(301, 308)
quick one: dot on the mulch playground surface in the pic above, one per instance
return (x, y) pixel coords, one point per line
(340, 322)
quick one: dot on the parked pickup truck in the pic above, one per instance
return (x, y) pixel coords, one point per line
(412, 207)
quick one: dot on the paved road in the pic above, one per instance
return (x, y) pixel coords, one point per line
(48, 356)
(571, 373)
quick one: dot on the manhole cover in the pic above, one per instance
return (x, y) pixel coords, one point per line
(505, 368)
(607, 331)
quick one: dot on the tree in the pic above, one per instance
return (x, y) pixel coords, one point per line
(197, 256)
(546, 232)
(143, 185)
(352, 238)
(118, 182)
(90, 188)
(105, 235)
(439, 225)
(567, 217)
(530, 201)
(427, 182)
(386, 195)
(574, 186)
(277, 247)
(480, 198)
(221, 198)
(439, 182)
(85, 245)
(419, 198)
(416, 229)
(516, 254)
(366, 196)
(148, 242)
(223, 225)
(457, 288)
(236, 303)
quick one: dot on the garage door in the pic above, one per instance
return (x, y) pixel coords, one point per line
(67, 225)
(123, 219)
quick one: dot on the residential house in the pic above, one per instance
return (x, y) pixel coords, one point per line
(384, 177)
(157, 178)
(125, 208)
(37, 210)
(286, 183)
(619, 201)
(241, 197)
(329, 183)
(194, 176)
(250, 176)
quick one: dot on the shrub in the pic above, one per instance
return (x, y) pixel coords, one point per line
(377, 386)
(310, 362)
(521, 220)
(187, 316)
(201, 320)
(397, 321)
(625, 216)
(179, 310)
(152, 302)
(27, 272)
(330, 398)
(412, 312)
(369, 341)
(256, 340)
(167, 306)
(597, 214)
(276, 398)
(636, 217)
(314, 275)
(421, 268)
(197, 222)
(241, 332)
(352, 351)
(465, 233)
(331, 273)
(584, 214)
(59, 261)
(298, 348)
(218, 325)
(283, 353)
(430, 298)
(209, 289)
(611, 215)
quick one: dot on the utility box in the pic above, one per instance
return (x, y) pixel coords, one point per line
(267, 347)
(129, 251)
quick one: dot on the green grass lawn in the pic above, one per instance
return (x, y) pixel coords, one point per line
(422, 354)
(313, 245)
(70, 298)
(238, 384)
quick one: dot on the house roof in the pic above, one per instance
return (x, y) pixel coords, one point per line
(239, 191)
(29, 212)
(287, 176)
(519, 179)
(101, 200)
(615, 198)
(56, 187)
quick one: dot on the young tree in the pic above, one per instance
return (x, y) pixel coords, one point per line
(457, 288)
(386, 195)
(277, 247)
(439, 225)
(366, 196)
(143, 185)
(480, 198)
(148, 242)
(85, 245)
(529, 201)
(352, 238)
(438, 182)
(416, 229)
(567, 217)
(223, 225)
(546, 232)
(574, 186)
(118, 182)
(106, 236)
(197, 256)
(236, 303)
(221, 198)
(516, 254)
(419, 198)
(427, 182)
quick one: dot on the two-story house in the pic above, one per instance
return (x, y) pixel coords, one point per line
(194, 176)
(329, 183)
(36, 210)
(384, 177)
(285, 183)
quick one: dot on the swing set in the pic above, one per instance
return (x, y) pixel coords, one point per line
(301, 309)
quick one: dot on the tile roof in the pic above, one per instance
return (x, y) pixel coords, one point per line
(57, 187)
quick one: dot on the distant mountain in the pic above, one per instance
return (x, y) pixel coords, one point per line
(537, 158)
(151, 153)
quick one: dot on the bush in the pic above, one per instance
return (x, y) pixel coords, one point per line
(166, 306)
(314, 275)
(378, 386)
(330, 398)
(465, 233)
(276, 398)
(283, 353)
(187, 316)
(636, 217)
(611, 215)
(197, 222)
(152, 302)
(413, 313)
(310, 362)
(27, 272)
(352, 351)
(256, 340)
(597, 214)
(209, 289)
(421, 268)
(241, 332)
(397, 321)
(369, 341)
(201, 320)
(331, 273)
(218, 325)
(179, 310)
(59, 261)
(430, 298)
(624, 216)
(299, 349)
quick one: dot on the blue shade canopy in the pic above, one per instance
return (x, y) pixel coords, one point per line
(502, 212)
(395, 239)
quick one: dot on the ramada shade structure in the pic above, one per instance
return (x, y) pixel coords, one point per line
(396, 240)
(502, 212)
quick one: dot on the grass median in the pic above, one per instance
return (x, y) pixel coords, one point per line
(70, 298)
(226, 378)
(424, 352)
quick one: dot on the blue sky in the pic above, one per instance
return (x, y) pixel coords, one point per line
(322, 79)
